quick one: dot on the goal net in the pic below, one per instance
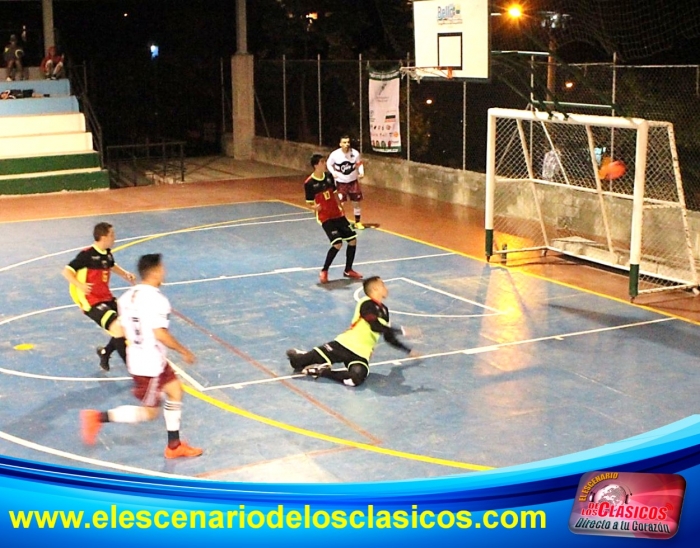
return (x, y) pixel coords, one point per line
(547, 189)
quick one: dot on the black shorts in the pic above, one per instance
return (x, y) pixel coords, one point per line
(103, 314)
(334, 352)
(339, 230)
(350, 191)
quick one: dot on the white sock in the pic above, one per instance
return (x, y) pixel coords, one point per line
(172, 412)
(128, 413)
(357, 210)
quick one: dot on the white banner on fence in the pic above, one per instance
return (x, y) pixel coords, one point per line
(385, 130)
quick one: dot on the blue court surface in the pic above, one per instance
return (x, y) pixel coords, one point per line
(514, 368)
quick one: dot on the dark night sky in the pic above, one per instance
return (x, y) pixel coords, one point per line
(99, 29)
(193, 36)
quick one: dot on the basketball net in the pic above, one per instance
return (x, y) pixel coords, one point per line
(417, 73)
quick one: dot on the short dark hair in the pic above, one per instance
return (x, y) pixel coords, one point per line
(345, 136)
(100, 230)
(315, 159)
(148, 262)
(367, 283)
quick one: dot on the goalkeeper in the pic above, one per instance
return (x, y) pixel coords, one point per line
(353, 347)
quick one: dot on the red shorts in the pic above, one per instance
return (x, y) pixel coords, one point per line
(349, 190)
(148, 389)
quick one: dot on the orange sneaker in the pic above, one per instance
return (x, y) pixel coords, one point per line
(182, 450)
(352, 274)
(323, 277)
(90, 425)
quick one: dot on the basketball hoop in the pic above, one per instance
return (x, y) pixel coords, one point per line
(417, 73)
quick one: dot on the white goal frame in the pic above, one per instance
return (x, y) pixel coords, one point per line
(637, 224)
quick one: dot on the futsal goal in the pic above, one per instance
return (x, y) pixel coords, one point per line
(547, 189)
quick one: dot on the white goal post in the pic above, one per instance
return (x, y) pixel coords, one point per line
(546, 190)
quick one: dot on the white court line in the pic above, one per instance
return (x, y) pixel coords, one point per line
(179, 370)
(466, 351)
(14, 373)
(230, 224)
(28, 314)
(436, 290)
(394, 311)
(295, 269)
(185, 376)
(87, 460)
(51, 377)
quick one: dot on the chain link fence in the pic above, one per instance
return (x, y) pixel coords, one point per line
(443, 122)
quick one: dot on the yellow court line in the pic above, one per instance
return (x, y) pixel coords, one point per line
(332, 439)
(289, 427)
(192, 229)
(341, 441)
(154, 210)
(544, 278)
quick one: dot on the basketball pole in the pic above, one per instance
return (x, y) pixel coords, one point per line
(551, 68)
(408, 111)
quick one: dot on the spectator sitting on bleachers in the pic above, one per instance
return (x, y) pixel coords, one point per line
(52, 64)
(13, 59)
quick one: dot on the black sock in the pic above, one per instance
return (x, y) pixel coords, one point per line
(332, 252)
(173, 438)
(109, 347)
(104, 416)
(120, 346)
(357, 218)
(350, 257)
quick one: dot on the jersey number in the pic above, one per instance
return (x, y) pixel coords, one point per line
(327, 195)
(138, 337)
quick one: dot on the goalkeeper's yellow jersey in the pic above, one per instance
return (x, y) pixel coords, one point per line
(361, 338)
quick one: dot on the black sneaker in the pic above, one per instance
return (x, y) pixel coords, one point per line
(316, 371)
(290, 356)
(104, 358)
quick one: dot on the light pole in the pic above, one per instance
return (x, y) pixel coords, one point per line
(552, 22)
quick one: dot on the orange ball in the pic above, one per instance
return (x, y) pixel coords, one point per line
(614, 170)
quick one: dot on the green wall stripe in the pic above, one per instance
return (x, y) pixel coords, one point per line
(56, 183)
(38, 164)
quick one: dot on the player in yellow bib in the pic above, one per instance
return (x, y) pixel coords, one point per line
(353, 347)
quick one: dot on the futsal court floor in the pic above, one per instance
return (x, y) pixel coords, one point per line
(521, 362)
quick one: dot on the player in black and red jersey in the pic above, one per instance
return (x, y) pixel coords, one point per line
(322, 196)
(88, 275)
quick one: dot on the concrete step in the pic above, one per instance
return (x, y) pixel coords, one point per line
(43, 105)
(45, 145)
(44, 124)
(41, 183)
(38, 164)
(41, 85)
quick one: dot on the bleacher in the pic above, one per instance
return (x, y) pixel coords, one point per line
(44, 142)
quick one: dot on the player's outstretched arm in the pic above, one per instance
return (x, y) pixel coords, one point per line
(164, 336)
(119, 271)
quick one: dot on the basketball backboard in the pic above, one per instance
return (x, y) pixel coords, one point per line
(454, 36)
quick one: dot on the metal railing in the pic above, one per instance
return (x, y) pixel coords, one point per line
(145, 164)
(77, 74)
(443, 122)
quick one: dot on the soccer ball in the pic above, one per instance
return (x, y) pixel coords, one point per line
(613, 170)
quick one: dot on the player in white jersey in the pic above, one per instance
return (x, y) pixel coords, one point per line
(145, 317)
(345, 164)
